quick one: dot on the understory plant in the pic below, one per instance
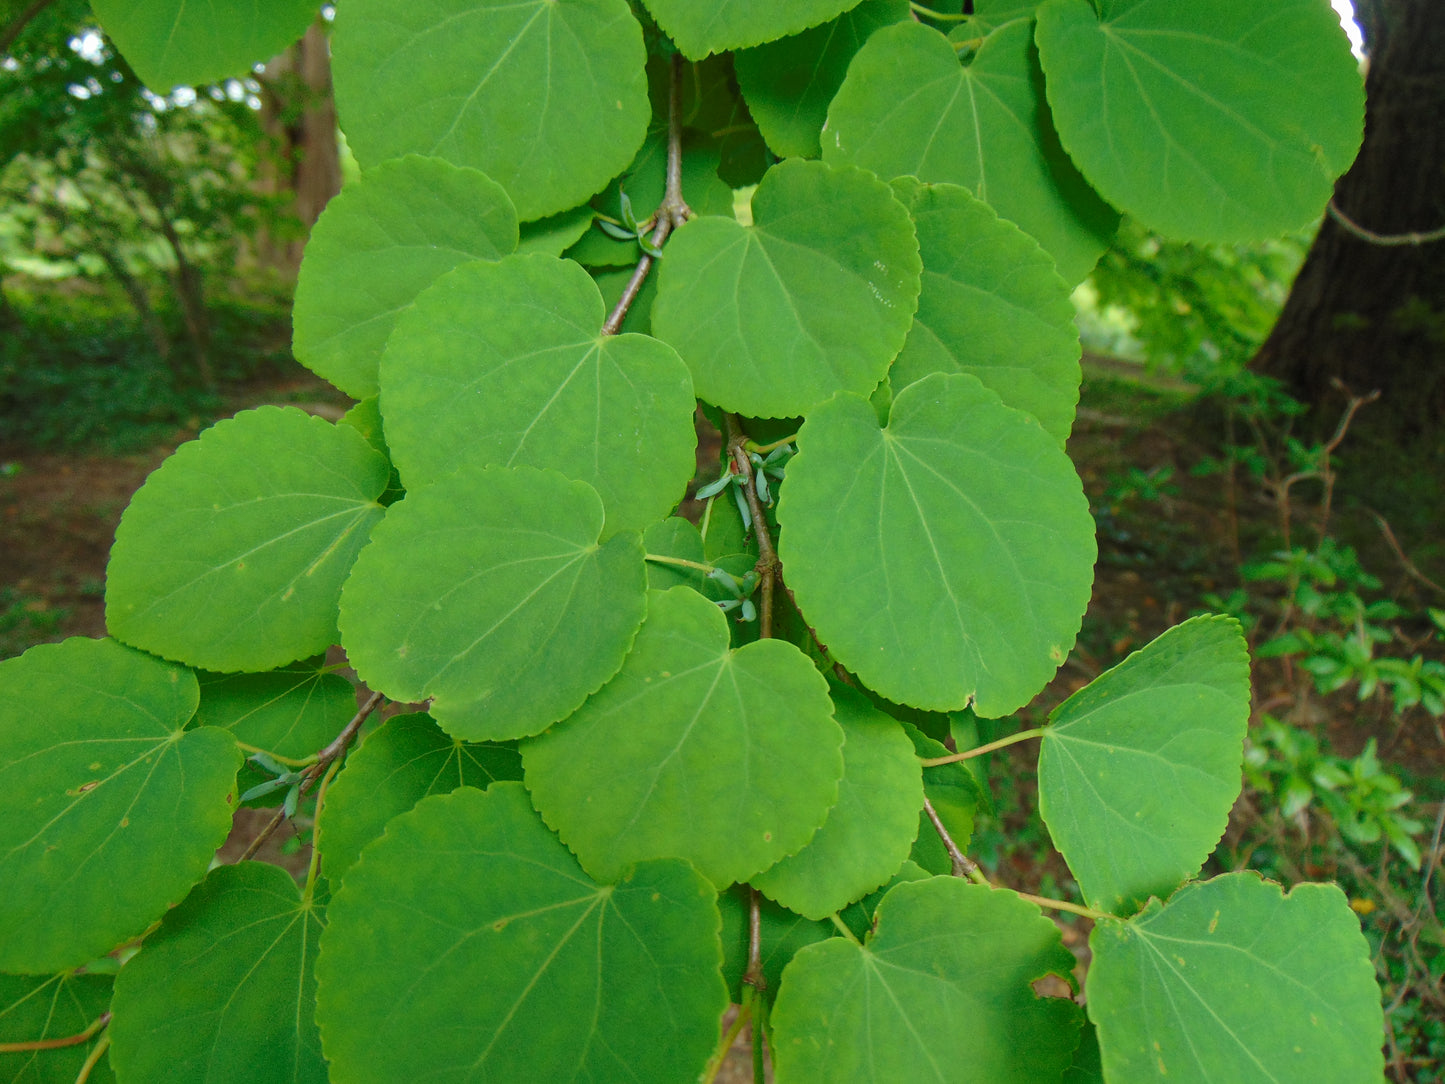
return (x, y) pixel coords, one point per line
(651, 768)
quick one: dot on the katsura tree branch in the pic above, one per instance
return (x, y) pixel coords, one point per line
(969, 754)
(963, 866)
(324, 761)
(736, 442)
(671, 213)
(58, 1044)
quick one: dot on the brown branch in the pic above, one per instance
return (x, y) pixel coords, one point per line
(963, 866)
(1405, 561)
(768, 565)
(324, 759)
(753, 976)
(671, 213)
(20, 22)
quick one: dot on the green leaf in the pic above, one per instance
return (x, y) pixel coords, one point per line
(505, 364)
(992, 305)
(170, 42)
(781, 933)
(945, 952)
(536, 971)
(109, 809)
(1234, 980)
(789, 82)
(673, 537)
(548, 97)
(382, 241)
(51, 1007)
(754, 310)
(292, 712)
(989, 15)
(488, 594)
(231, 556)
(1086, 1067)
(1214, 120)
(553, 235)
(397, 766)
(956, 796)
(730, 759)
(225, 989)
(702, 28)
(908, 107)
(1139, 768)
(946, 559)
(870, 830)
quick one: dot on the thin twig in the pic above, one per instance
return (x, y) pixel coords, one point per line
(1405, 562)
(753, 976)
(767, 567)
(313, 774)
(671, 213)
(963, 866)
(1410, 237)
(94, 1059)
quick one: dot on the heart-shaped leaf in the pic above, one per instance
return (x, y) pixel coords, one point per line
(944, 951)
(398, 765)
(909, 108)
(540, 972)
(1139, 768)
(489, 594)
(231, 556)
(1211, 120)
(505, 364)
(700, 29)
(755, 310)
(170, 42)
(547, 97)
(109, 808)
(871, 828)
(1234, 980)
(744, 741)
(383, 240)
(945, 559)
(237, 959)
(992, 305)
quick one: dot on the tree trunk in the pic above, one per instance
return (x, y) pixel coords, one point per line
(1368, 306)
(299, 115)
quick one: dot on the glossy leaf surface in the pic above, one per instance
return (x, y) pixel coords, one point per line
(871, 828)
(109, 809)
(540, 972)
(992, 305)
(944, 951)
(1234, 980)
(908, 107)
(488, 594)
(231, 556)
(547, 97)
(398, 765)
(380, 242)
(1139, 769)
(505, 364)
(239, 954)
(744, 741)
(945, 559)
(754, 310)
(1207, 120)
(170, 42)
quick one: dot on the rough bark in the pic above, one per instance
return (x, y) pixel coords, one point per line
(1370, 313)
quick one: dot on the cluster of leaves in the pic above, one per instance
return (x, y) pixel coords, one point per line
(622, 810)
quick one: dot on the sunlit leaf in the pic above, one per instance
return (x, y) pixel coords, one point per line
(538, 972)
(109, 809)
(945, 559)
(489, 594)
(743, 741)
(1139, 768)
(1234, 980)
(225, 988)
(380, 242)
(755, 311)
(909, 108)
(1207, 120)
(231, 556)
(548, 97)
(945, 952)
